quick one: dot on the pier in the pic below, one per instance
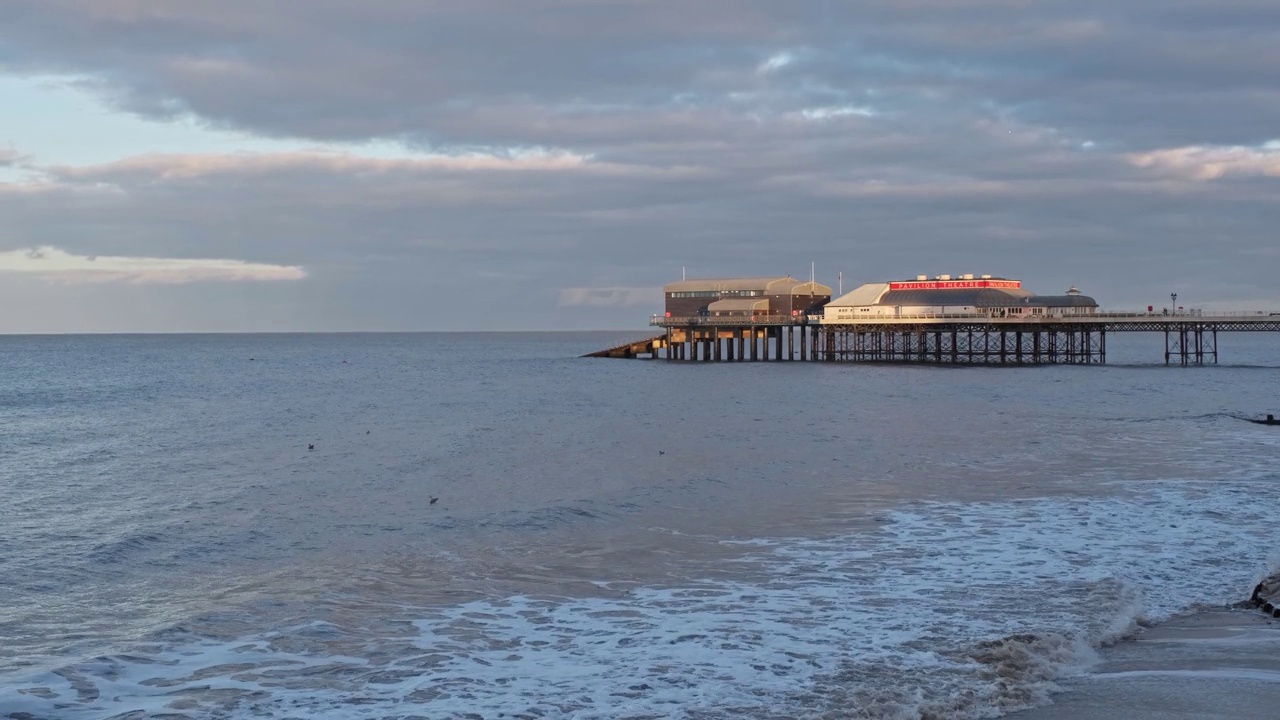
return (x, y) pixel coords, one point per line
(634, 349)
(723, 340)
(954, 320)
(1190, 339)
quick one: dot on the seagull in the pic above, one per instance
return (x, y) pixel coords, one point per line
(433, 501)
(311, 446)
(662, 452)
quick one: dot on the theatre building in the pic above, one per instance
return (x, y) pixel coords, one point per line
(961, 297)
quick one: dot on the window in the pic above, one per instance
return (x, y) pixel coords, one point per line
(716, 294)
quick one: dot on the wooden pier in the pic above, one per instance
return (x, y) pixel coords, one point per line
(633, 349)
(1190, 339)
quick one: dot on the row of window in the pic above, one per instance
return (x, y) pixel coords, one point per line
(717, 294)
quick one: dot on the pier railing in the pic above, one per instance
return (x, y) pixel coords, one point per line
(1189, 314)
(1024, 338)
(1138, 316)
(1095, 317)
(738, 321)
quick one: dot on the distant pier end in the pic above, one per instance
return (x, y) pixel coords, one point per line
(959, 320)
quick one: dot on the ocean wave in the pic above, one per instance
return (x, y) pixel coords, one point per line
(543, 518)
(124, 547)
(948, 610)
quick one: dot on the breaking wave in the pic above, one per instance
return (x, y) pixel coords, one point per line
(949, 610)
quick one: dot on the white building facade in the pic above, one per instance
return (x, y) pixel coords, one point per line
(961, 297)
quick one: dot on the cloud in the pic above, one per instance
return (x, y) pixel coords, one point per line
(1201, 162)
(185, 166)
(828, 113)
(776, 62)
(54, 264)
(431, 73)
(611, 297)
(524, 148)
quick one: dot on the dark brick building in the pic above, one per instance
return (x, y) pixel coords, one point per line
(744, 297)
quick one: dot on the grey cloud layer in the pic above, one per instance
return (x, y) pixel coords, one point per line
(494, 72)
(1113, 145)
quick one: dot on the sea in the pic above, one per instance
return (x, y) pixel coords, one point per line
(488, 526)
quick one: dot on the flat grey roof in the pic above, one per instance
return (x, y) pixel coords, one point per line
(783, 285)
(738, 304)
(709, 284)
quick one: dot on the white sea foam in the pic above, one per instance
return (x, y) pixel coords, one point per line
(955, 610)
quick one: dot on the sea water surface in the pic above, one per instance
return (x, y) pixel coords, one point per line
(489, 526)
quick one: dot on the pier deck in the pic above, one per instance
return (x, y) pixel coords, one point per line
(634, 348)
(1190, 339)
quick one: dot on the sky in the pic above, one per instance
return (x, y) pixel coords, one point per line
(333, 165)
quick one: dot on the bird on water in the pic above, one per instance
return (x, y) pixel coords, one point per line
(311, 446)
(433, 501)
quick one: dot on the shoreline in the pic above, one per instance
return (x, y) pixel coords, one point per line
(1215, 663)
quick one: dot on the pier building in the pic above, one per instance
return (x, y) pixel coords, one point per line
(744, 297)
(964, 296)
(948, 320)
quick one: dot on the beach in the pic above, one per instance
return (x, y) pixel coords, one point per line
(1222, 663)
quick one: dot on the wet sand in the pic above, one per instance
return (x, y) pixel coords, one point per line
(1214, 664)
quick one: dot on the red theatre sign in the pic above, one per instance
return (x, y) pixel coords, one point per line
(955, 284)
